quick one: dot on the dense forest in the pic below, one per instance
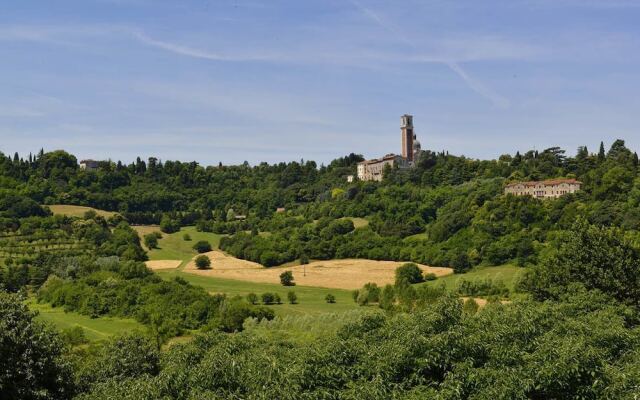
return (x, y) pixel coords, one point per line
(448, 211)
(572, 333)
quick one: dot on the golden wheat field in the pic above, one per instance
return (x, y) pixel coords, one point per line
(155, 265)
(339, 274)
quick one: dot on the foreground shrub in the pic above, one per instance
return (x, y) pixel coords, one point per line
(595, 257)
(234, 312)
(32, 365)
(482, 287)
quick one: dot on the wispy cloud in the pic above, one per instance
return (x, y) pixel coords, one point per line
(600, 4)
(451, 63)
(478, 87)
(19, 112)
(197, 53)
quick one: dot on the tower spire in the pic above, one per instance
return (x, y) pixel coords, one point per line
(406, 129)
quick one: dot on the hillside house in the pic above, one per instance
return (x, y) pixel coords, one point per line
(553, 188)
(89, 165)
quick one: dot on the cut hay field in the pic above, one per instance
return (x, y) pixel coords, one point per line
(311, 300)
(173, 246)
(77, 211)
(346, 274)
(95, 329)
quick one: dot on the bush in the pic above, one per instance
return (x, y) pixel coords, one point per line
(329, 298)
(151, 241)
(291, 296)
(74, 336)
(268, 298)
(286, 279)
(370, 293)
(203, 262)
(470, 307)
(388, 297)
(430, 276)
(409, 273)
(461, 263)
(186, 237)
(168, 225)
(234, 312)
(277, 299)
(32, 362)
(363, 297)
(252, 298)
(486, 287)
(594, 257)
(270, 259)
(304, 259)
(202, 246)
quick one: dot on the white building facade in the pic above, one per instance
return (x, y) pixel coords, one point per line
(544, 189)
(373, 170)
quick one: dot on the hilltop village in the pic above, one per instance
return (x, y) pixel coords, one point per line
(411, 149)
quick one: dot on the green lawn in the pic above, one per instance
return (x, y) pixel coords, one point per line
(95, 329)
(174, 247)
(310, 299)
(507, 273)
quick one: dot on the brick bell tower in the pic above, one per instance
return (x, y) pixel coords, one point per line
(406, 129)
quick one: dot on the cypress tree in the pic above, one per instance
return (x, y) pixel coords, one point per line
(601, 153)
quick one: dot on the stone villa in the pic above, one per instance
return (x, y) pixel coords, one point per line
(372, 170)
(553, 188)
(89, 165)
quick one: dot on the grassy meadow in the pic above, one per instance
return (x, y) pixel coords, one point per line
(508, 274)
(311, 300)
(172, 246)
(95, 329)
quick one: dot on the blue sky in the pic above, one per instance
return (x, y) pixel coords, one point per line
(281, 80)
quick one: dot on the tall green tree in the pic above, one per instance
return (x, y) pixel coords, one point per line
(593, 257)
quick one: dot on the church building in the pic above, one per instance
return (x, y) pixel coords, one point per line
(372, 170)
